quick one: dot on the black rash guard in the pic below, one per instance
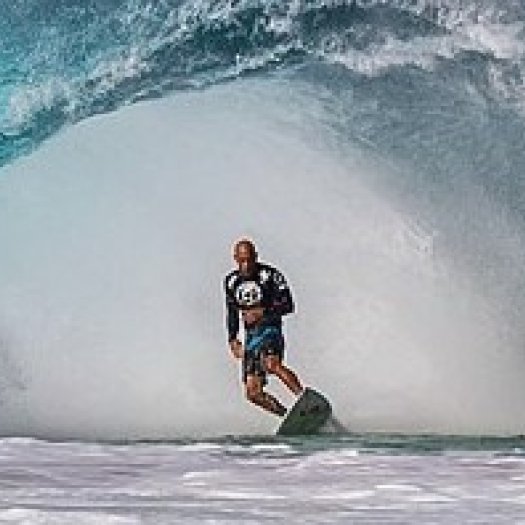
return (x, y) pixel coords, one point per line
(267, 287)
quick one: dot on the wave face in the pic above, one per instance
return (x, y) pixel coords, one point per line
(375, 150)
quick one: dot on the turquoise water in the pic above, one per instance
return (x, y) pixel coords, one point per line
(365, 443)
(60, 64)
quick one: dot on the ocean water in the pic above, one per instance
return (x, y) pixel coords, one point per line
(352, 479)
(374, 150)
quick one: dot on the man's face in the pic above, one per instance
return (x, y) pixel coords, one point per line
(245, 259)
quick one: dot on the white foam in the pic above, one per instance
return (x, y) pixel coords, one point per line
(118, 233)
(22, 516)
(502, 41)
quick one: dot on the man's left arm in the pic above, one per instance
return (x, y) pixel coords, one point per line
(281, 301)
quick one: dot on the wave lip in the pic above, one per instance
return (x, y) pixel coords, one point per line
(138, 51)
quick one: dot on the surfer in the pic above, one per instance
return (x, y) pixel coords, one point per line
(261, 295)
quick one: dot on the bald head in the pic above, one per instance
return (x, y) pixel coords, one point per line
(245, 255)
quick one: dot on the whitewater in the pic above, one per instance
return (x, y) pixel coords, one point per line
(374, 151)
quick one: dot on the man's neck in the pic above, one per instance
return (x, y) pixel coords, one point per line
(252, 273)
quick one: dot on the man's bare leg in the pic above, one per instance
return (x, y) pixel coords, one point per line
(256, 394)
(285, 374)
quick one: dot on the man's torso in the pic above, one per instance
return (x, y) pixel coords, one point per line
(255, 290)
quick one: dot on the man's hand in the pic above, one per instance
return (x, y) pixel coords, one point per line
(253, 315)
(236, 349)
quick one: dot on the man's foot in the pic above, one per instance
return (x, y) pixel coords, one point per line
(282, 411)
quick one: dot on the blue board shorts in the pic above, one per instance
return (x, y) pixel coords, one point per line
(260, 342)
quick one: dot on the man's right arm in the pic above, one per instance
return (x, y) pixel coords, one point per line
(232, 322)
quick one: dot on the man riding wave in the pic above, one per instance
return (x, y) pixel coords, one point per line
(259, 294)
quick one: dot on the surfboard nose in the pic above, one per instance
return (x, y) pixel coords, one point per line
(309, 413)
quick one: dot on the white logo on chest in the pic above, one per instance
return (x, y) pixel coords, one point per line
(249, 294)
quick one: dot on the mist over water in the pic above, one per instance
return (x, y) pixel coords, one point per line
(118, 235)
(382, 171)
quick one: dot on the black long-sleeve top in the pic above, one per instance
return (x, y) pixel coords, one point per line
(266, 288)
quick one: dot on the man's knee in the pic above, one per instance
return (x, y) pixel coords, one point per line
(272, 364)
(253, 395)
